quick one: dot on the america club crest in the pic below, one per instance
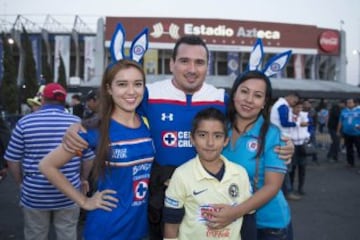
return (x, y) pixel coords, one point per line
(233, 190)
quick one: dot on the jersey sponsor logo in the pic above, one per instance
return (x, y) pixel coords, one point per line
(233, 190)
(170, 202)
(119, 153)
(142, 168)
(218, 233)
(179, 139)
(167, 117)
(252, 145)
(198, 192)
(140, 189)
(204, 210)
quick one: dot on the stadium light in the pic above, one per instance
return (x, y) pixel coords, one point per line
(11, 41)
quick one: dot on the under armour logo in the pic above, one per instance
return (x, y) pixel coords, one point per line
(165, 117)
(159, 31)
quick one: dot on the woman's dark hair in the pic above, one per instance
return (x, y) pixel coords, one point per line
(265, 112)
(106, 108)
(209, 114)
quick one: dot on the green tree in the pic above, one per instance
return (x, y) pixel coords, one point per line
(61, 73)
(47, 73)
(46, 66)
(9, 89)
(30, 78)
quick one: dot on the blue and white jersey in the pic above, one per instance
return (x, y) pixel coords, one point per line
(281, 116)
(34, 136)
(170, 113)
(128, 173)
(323, 116)
(349, 119)
(275, 213)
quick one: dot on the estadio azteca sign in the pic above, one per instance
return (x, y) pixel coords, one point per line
(223, 33)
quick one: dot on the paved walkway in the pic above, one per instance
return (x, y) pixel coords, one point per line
(330, 210)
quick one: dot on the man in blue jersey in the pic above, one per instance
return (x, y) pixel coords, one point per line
(349, 126)
(34, 136)
(170, 106)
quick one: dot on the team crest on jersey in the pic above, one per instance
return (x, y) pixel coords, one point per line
(140, 188)
(233, 190)
(169, 139)
(252, 145)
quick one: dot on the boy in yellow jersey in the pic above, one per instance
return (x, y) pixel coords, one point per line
(207, 179)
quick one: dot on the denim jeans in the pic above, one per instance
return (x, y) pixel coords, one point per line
(275, 233)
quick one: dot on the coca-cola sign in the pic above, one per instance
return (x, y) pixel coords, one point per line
(329, 41)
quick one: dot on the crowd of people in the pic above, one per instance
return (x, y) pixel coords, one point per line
(175, 159)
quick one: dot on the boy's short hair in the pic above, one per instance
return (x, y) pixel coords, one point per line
(209, 114)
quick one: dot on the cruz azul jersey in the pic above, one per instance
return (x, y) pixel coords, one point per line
(128, 173)
(170, 112)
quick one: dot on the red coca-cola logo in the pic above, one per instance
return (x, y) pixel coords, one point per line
(329, 41)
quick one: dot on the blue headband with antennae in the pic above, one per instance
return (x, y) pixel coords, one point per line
(273, 66)
(138, 46)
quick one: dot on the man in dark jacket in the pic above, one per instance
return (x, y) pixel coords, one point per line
(4, 140)
(332, 124)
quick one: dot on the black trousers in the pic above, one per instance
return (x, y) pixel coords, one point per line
(335, 145)
(159, 175)
(248, 228)
(350, 142)
(299, 162)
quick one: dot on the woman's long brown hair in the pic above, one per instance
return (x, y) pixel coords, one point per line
(106, 108)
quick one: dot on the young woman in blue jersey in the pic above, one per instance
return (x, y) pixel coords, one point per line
(252, 142)
(124, 155)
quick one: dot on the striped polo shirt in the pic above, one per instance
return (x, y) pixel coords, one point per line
(34, 136)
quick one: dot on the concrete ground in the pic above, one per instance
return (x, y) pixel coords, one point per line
(330, 210)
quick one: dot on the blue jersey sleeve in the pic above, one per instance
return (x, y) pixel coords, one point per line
(226, 99)
(91, 137)
(284, 117)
